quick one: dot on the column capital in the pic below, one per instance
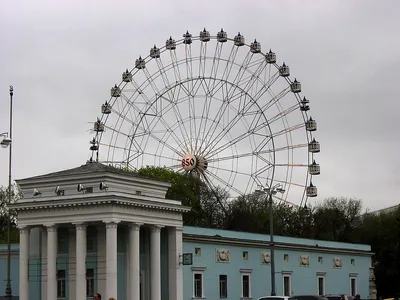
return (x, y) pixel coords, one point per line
(51, 227)
(156, 228)
(80, 226)
(111, 224)
(135, 226)
(23, 229)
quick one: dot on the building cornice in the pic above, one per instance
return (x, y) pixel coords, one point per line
(96, 199)
(194, 238)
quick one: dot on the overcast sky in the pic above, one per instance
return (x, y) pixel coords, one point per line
(63, 56)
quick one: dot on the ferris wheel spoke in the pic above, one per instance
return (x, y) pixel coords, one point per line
(222, 181)
(219, 137)
(245, 111)
(175, 65)
(232, 175)
(174, 107)
(143, 132)
(287, 130)
(161, 117)
(215, 64)
(203, 59)
(283, 113)
(215, 191)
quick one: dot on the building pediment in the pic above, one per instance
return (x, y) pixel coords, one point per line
(94, 193)
(89, 177)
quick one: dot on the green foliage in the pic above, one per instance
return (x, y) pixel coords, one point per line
(205, 208)
(4, 214)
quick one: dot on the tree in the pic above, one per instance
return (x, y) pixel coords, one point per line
(205, 204)
(16, 194)
(335, 219)
(382, 232)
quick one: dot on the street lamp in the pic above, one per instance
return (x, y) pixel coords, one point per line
(271, 191)
(7, 142)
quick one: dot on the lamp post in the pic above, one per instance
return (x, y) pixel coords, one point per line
(6, 142)
(270, 191)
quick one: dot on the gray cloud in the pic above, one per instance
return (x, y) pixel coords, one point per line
(62, 58)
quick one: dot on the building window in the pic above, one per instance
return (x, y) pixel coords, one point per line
(353, 286)
(197, 251)
(321, 285)
(287, 285)
(223, 286)
(245, 255)
(320, 260)
(89, 283)
(353, 262)
(61, 284)
(246, 286)
(198, 285)
(286, 257)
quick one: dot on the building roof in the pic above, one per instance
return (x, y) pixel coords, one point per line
(88, 168)
(230, 236)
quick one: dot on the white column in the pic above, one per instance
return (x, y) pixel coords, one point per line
(111, 260)
(51, 262)
(24, 263)
(134, 262)
(175, 274)
(155, 263)
(80, 278)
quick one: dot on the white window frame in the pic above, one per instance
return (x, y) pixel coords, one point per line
(290, 284)
(249, 275)
(323, 284)
(202, 284)
(90, 279)
(355, 285)
(226, 285)
(63, 282)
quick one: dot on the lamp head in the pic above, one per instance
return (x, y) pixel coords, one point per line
(5, 142)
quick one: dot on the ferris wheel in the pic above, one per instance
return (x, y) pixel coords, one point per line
(216, 107)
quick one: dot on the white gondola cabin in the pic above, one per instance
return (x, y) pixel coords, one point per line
(284, 70)
(311, 190)
(98, 126)
(106, 108)
(154, 52)
(170, 44)
(93, 145)
(127, 76)
(204, 35)
(304, 104)
(314, 146)
(239, 40)
(255, 47)
(314, 169)
(115, 91)
(140, 63)
(222, 36)
(271, 57)
(187, 38)
(311, 125)
(295, 86)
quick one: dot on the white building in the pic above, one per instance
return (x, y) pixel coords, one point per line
(124, 204)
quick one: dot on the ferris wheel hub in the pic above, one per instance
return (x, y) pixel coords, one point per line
(191, 162)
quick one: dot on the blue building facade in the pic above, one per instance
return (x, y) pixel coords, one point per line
(225, 265)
